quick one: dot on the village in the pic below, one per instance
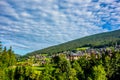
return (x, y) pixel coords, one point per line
(41, 59)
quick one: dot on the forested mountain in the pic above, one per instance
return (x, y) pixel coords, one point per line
(97, 40)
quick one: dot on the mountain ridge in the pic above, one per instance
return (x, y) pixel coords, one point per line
(96, 40)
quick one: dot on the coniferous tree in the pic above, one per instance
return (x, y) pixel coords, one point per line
(79, 72)
(98, 73)
(0, 47)
(12, 58)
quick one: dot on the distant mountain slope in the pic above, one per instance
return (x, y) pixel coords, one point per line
(97, 40)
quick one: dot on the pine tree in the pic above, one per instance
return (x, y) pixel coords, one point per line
(0, 47)
(79, 72)
(12, 58)
(98, 73)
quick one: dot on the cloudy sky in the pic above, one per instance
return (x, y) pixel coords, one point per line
(29, 25)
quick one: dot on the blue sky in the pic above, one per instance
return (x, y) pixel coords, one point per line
(29, 25)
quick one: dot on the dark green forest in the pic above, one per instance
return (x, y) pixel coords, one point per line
(94, 41)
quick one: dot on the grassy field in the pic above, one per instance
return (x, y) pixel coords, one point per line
(38, 68)
(82, 48)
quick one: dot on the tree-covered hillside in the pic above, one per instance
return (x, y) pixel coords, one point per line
(97, 40)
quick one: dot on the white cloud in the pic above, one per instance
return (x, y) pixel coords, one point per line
(37, 24)
(25, 14)
(6, 9)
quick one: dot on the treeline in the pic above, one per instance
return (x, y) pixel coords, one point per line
(7, 59)
(102, 66)
(94, 41)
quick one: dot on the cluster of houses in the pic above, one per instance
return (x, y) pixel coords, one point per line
(76, 55)
(89, 52)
